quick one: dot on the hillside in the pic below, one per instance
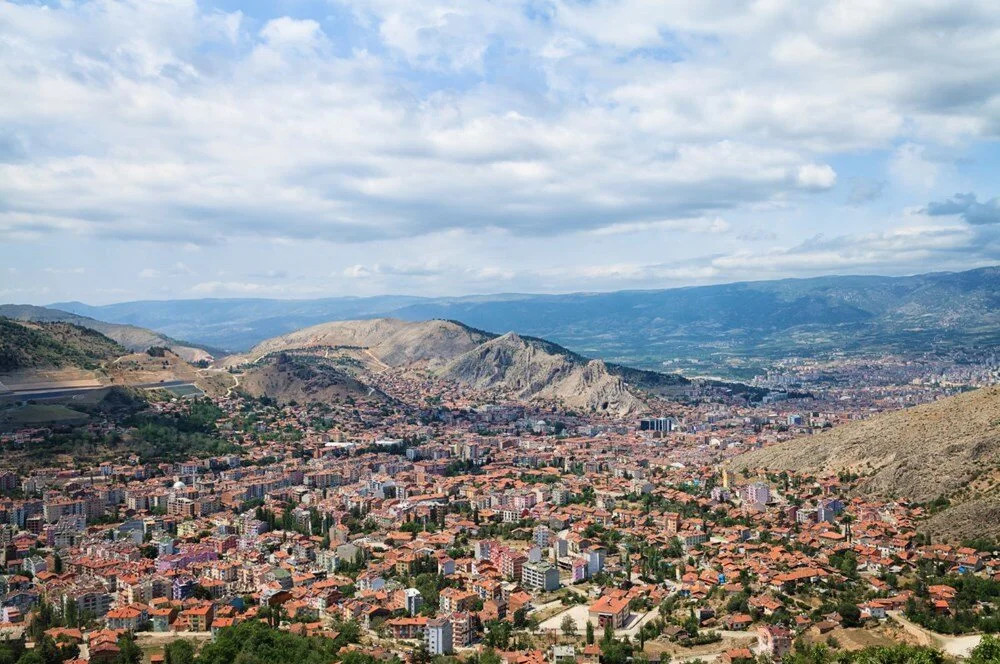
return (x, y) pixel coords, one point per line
(393, 342)
(287, 378)
(764, 319)
(949, 448)
(131, 337)
(515, 366)
(528, 369)
(26, 345)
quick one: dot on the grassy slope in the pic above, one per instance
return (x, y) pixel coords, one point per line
(36, 345)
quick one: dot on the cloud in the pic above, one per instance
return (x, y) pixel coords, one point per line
(181, 123)
(968, 207)
(577, 132)
(237, 287)
(866, 190)
(816, 176)
(912, 168)
(714, 225)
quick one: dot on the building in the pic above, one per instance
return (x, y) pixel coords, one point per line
(541, 576)
(612, 608)
(663, 424)
(414, 600)
(439, 637)
(756, 493)
(774, 641)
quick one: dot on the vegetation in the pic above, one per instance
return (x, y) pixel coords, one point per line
(31, 345)
(256, 643)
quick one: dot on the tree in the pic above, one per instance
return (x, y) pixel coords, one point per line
(850, 614)
(420, 654)
(590, 633)
(178, 652)
(987, 652)
(568, 626)
(129, 650)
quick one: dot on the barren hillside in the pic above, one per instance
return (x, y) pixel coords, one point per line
(521, 367)
(286, 378)
(948, 448)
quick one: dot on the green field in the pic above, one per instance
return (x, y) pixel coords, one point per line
(38, 415)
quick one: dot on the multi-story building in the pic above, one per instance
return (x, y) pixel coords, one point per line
(542, 576)
(439, 637)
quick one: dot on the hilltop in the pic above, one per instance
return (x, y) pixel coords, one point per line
(948, 449)
(510, 365)
(26, 346)
(763, 319)
(131, 337)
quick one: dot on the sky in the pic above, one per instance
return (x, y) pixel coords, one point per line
(162, 149)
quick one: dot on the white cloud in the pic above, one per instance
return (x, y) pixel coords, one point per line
(609, 121)
(912, 169)
(816, 176)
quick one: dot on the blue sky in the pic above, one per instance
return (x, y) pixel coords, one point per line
(174, 149)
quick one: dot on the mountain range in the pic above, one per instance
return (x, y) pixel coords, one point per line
(510, 365)
(713, 324)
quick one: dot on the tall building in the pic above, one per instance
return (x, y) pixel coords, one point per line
(439, 637)
(665, 424)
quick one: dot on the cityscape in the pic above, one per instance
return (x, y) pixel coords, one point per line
(499, 332)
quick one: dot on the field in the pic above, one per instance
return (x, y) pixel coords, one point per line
(38, 415)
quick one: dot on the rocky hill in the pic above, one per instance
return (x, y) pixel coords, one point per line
(530, 368)
(303, 379)
(26, 345)
(949, 448)
(393, 342)
(520, 367)
(130, 337)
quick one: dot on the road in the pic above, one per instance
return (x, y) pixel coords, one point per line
(34, 395)
(956, 646)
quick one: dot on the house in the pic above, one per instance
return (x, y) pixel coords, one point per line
(611, 607)
(774, 641)
(127, 618)
(873, 609)
(199, 617)
(737, 656)
(738, 622)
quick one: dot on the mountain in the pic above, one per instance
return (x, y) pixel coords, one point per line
(511, 365)
(130, 337)
(27, 345)
(763, 319)
(286, 378)
(391, 342)
(531, 368)
(947, 449)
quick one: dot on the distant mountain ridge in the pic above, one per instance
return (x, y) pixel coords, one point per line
(642, 328)
(518, 367)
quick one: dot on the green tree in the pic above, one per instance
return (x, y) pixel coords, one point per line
(568, 626)
(178, 652)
